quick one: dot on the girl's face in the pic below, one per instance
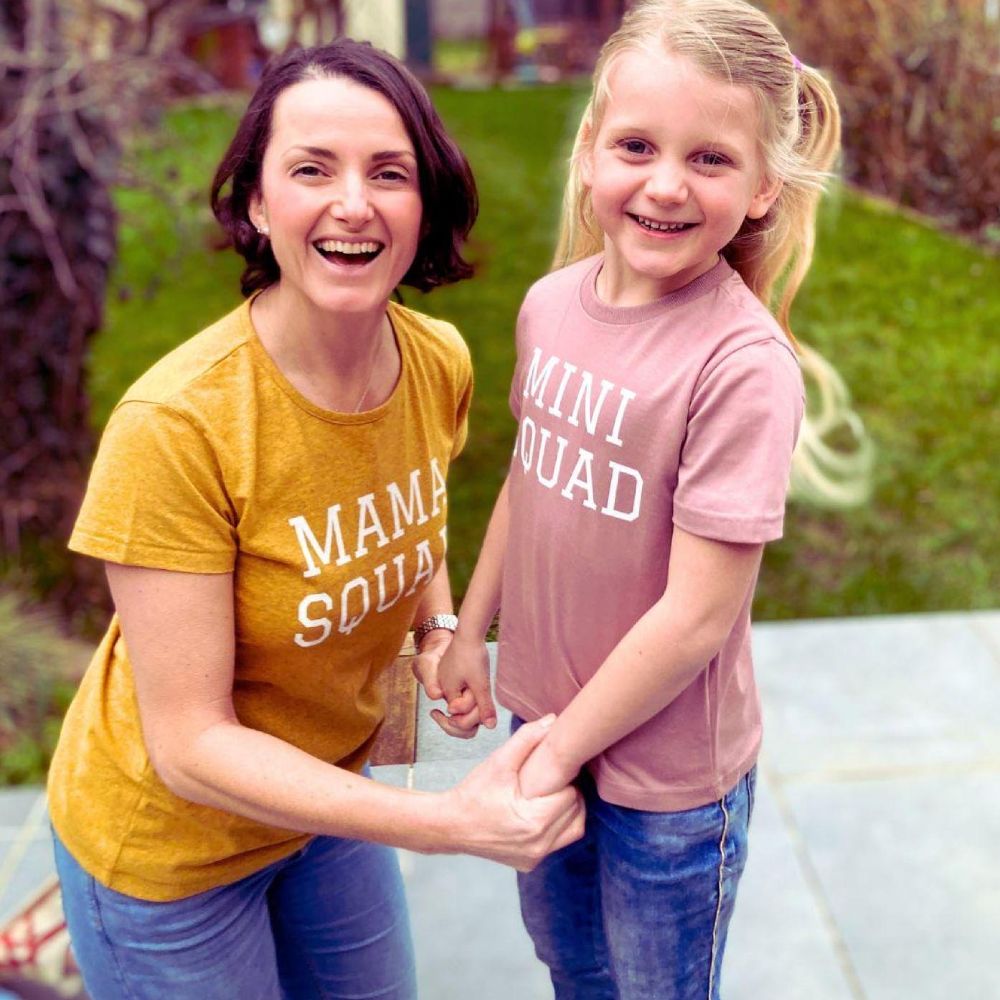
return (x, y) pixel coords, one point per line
(339, 196)
(673, 171)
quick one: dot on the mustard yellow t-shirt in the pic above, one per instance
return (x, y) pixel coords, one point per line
(332, 525)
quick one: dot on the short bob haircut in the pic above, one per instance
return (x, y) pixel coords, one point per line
(447, 188)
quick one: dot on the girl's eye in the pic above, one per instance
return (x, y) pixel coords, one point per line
(712, 159)
(636, 147)
(307, 170)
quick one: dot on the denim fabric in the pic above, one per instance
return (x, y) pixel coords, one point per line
(328, 922)
(638, 909)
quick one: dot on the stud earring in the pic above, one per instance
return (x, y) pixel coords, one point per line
(263, 230)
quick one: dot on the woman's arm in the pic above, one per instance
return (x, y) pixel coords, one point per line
(435, 600)
(657, 658)
(464, 672)
(180, 634)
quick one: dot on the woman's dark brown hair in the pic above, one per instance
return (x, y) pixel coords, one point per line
(447, 188)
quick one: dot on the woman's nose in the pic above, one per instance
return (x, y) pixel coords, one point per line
(351, 203)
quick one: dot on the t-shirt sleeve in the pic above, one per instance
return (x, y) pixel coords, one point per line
(735, 462)
(155, 496)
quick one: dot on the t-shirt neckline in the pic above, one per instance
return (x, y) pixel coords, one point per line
(330, 416)
(594, 307)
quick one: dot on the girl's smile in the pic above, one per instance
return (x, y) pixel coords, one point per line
(673, 170)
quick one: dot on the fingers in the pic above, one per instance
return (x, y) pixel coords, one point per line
(571, 827)
(425, 670)
(566, 824)
(480, 688)
(517, 749)
(461, 727)
(463, 703)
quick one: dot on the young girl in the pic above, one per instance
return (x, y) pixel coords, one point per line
(658, 404)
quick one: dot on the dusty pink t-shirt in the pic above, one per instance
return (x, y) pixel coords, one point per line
(631, 420)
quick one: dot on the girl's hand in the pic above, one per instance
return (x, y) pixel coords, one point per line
(545, 771)
(464, 678)
(496, 821)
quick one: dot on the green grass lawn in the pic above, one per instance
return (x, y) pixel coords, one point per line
(906, 313)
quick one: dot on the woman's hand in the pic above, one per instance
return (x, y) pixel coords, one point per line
(495, 819)
(463, 677)
(426, 664)
(545, 771)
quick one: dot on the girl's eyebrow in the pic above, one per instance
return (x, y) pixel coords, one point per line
(328, 154)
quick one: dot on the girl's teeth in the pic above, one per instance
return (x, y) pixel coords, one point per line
(664, 227)
(339, 246)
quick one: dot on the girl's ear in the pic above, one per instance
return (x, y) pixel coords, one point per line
(764, 198)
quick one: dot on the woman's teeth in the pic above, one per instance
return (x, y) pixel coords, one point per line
(352, 249)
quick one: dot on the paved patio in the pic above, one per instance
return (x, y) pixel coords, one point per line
(872, 873)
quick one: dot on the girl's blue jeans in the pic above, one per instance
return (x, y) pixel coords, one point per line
(640, 906)
(330, 921)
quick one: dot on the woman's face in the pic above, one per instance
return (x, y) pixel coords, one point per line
(339, 196)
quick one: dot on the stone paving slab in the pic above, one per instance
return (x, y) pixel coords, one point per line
(25, 847)
(844, 696)
(467, 931)
(872, 872)
(908, 867)
(780, 947)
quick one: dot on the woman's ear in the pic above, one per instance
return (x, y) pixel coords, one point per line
(765, 197)
(257, 214)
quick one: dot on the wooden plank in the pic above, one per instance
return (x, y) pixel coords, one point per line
(396, 742)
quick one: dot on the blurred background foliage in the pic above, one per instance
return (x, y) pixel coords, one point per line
(919, 87)
(907, 313)
(903, 298)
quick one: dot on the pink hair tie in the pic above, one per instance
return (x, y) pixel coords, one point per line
(796, 64)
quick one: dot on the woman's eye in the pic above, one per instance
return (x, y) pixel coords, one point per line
(391, 174)
(306, 170)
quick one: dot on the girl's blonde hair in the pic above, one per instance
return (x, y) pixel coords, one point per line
(732, 41)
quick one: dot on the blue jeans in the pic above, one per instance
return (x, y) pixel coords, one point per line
(330, 921)
(638, 909)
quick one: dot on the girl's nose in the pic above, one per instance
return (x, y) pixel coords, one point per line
(351, 203)
(666, 182)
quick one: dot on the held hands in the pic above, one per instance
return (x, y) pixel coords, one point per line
(426, 664)
(496, 819)
(546, 771)
(463, 679)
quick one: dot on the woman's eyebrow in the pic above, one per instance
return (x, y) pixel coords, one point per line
(328, 154)
(393, 154)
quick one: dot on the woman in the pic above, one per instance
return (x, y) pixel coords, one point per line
(269, 500)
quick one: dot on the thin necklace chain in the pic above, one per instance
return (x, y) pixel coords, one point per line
(371, 372)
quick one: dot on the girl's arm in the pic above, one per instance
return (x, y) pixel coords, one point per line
(464, 673)
(180, 635)
(657, 658)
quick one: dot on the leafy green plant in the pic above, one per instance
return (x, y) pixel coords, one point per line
(38, 674)
(919, 89)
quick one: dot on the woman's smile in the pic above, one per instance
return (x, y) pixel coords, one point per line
(339, 198)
